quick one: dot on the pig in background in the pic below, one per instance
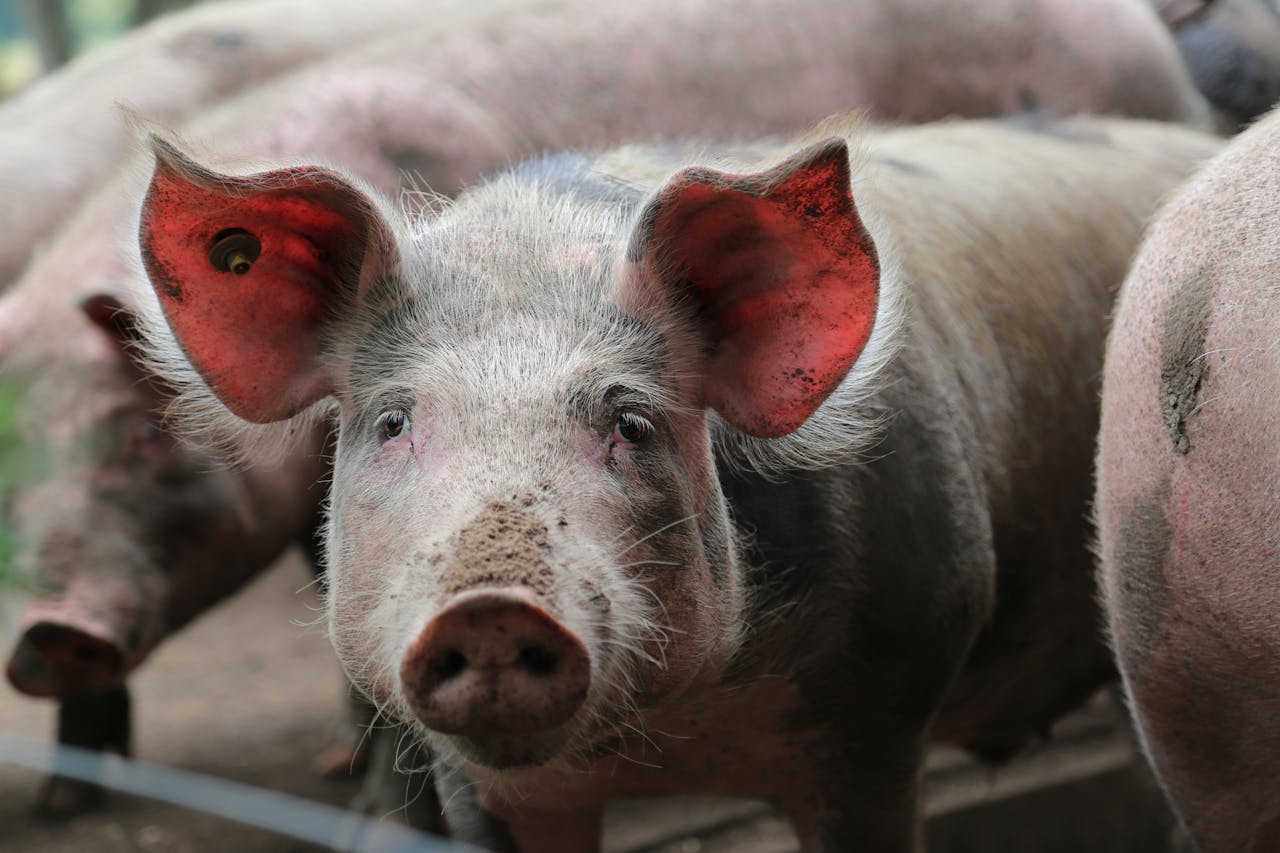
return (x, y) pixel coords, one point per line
(603, 524)
(442, 102)
(1188, 475)
(1232, 50)
(64, 134)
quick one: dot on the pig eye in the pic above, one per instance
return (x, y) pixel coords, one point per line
(394, 424)
(631, 429)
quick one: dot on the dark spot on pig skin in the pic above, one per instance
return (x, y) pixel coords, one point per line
(1182, 363)
(505, 545)
(1228, 72)
(1142, 545)
(160, 273)
(1045, 124)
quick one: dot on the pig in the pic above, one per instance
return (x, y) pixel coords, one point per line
(128, 537)
(63, 134)
(659, 472)
(1232, 50)
(438, 105)
(1188, 468)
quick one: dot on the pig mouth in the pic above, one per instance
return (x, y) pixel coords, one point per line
(506, 751)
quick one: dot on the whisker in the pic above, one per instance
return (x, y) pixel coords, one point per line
(661, 529)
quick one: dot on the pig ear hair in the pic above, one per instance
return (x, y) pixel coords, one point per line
(780, 275)
(250, 272)
(111, 316)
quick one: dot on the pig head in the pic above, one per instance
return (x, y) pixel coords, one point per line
(534, 559)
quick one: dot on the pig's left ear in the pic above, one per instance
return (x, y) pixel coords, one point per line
(781, 275)
(251, 270)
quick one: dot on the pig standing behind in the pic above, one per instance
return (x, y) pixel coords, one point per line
(64, 133)
(578, 583)
(1232, 49)
(446, 104)
(1189, 495)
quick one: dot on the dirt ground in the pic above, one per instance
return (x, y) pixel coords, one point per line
(251, 693)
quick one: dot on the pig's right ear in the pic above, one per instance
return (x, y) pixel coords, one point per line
(250, 271)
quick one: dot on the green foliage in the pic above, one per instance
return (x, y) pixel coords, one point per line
(18, 465)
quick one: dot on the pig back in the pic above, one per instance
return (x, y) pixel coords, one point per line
(967, 526)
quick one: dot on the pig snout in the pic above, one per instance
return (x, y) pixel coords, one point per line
(494, 663)
(51, 659)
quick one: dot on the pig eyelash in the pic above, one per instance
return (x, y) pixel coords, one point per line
(393, 424)
(630, 429)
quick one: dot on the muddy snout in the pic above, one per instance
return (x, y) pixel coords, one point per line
(495, 663)
(58, 660)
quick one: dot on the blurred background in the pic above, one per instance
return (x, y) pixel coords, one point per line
(37, 36)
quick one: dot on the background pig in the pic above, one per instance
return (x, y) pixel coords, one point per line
(64, 133)
(1188, 471)
(443, 103)
(720, 480)
(127, 537)
(1232, 49)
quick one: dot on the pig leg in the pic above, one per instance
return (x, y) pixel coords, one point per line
(390, 791)
(466, 820)
(98, 721)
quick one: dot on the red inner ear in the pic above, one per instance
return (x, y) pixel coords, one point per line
(255, 337)
(785, 279)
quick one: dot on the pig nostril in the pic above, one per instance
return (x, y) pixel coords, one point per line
(85, 653)
(537, 660)
(449, 665)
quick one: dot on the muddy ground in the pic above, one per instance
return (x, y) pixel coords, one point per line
(251, 693)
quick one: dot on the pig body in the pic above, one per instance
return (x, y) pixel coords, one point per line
(446, 106)
(64, 134)
(1188, 473)
(652, 483)
(442, 103)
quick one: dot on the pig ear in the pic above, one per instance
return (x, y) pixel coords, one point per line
(250, 270)
(123, 329)
(109, 314)
(782, 277)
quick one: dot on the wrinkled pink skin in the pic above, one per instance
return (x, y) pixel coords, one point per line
(64, 133)
(1189, 514)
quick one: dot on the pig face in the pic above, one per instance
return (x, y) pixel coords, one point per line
(528, 544)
